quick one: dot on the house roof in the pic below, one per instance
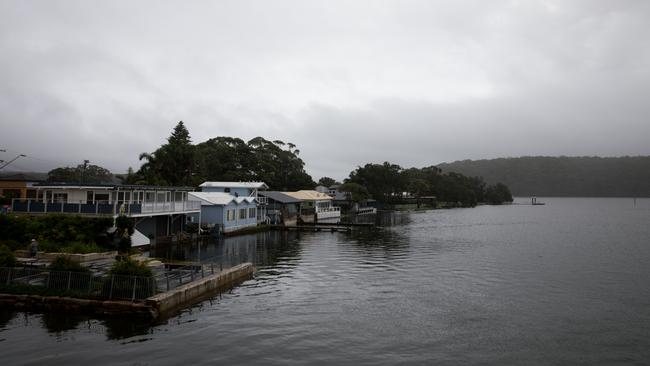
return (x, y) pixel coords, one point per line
(309, 195)
(279, 197)
(128, 187)
(219, 198)
(255, 185)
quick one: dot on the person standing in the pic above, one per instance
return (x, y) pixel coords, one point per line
(33, 248)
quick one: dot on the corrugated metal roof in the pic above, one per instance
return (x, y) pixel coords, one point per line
(257, 185)
(279, 197)
(218, 198)
(309, 195)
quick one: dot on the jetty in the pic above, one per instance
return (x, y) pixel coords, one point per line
(324, 226)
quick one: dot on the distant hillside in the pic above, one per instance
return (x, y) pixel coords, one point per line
(563, 176)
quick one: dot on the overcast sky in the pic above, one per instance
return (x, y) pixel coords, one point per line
(416, 83)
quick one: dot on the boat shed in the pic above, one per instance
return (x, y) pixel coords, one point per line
(282, 209)
(225, 212)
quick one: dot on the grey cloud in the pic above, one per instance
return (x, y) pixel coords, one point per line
(412, 82)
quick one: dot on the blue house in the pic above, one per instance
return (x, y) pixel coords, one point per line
(230, 206)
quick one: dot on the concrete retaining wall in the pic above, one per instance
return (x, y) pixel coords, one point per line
(160, 305)
(167, 302)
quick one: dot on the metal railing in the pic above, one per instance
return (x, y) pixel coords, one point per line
(175, 277)
(81, 283)
(102, 207)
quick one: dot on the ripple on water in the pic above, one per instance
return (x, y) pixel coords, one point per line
(564, 283)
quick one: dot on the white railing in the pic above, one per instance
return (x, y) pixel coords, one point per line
(366, 211)
(180, 206)
(328, 209)
(103, 207)
(328, 212)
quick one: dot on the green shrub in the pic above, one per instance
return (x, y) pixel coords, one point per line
(7, 257)
(14, 244)
(53, 228)
(130, 267)
(62, 263)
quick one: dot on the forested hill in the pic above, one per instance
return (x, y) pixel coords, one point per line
(563, 176)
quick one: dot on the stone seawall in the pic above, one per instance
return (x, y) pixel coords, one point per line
(167, 302)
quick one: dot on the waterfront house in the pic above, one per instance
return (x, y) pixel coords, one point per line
(316, 206)
(231, 206)
(343, 199)
(281, 208)
(331, 190)
(156, 211)
(224, 212)
(20, 185)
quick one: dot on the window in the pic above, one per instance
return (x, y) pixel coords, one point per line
(178, 196)
(60, 197)
(123, 197)
(252, 212)
(230, 215)
(242, 213)
(226, 190)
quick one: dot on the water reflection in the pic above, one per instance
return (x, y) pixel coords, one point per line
(263, 249)
(117, 328)
(57, 323)
(6, 314)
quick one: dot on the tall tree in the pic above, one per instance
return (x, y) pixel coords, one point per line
(173, 162)
(327, 182)
(385, 182)
(82, 173)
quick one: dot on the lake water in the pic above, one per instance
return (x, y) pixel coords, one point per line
(567, 283)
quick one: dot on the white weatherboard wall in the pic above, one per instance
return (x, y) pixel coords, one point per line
(237, 222)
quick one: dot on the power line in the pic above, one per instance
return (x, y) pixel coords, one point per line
(12, 160)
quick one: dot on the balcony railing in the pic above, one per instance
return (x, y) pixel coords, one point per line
(328, 209)
(103, 208)
(328, 212)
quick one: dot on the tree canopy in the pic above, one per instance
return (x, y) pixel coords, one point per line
(82, 173)
(327, 182)
(389, 183)
(171, 164)
(179, 162)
